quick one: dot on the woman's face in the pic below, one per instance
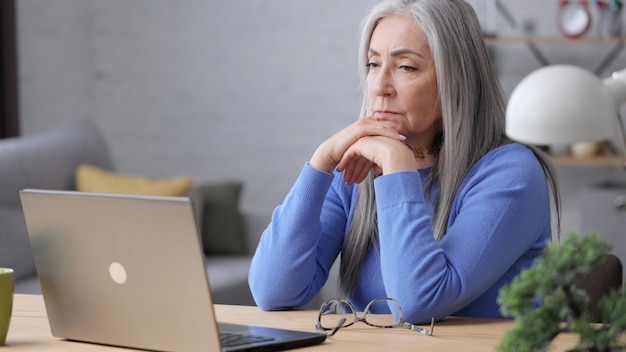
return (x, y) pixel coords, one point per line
(401, 80)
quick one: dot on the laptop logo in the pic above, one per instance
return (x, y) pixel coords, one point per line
(117, 273)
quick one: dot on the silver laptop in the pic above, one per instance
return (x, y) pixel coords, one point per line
(129, 271)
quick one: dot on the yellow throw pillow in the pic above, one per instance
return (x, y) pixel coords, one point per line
(92, 179)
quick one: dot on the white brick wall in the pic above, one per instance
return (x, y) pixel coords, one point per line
(228, 89)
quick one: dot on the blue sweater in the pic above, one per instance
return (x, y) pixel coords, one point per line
(499, 223)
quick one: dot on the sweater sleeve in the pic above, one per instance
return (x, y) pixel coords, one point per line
(499, 213)
(297, 250)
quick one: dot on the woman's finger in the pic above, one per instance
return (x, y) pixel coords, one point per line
(363, 172)
(358, 169)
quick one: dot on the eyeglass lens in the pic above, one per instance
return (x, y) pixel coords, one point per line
(377, 314)
(333, 312)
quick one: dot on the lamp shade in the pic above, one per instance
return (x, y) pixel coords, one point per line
(561, 104)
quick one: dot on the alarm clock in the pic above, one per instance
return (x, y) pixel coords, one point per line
(573, 18)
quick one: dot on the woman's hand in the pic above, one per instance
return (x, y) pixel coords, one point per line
(382, 154)
(362, 146)
(331, 151)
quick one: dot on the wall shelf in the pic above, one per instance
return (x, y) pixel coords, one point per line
(553, 40)
(600, 160)
(533, 44)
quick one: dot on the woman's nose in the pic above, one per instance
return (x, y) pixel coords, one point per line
(383, 85)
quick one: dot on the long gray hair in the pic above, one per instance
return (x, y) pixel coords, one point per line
(473, 110)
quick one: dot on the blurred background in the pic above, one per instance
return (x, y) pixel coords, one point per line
(244, 89)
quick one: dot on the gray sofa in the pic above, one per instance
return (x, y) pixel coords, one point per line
(48, 160)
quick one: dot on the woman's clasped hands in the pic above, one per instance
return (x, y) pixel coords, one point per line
(369, 144)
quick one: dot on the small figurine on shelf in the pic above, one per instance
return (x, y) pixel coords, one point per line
(586, 150)
(610, 24)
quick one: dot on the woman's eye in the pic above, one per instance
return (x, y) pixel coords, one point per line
(406, 68)
(372, 65)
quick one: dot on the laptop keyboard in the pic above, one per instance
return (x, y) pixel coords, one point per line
(230, 339)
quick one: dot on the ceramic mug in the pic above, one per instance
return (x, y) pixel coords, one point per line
(6, 301)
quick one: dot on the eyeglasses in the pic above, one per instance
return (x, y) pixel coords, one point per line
(338, 313)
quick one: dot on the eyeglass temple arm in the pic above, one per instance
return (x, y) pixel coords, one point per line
(422, 330)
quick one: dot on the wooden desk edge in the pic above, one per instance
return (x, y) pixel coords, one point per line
(29, 330)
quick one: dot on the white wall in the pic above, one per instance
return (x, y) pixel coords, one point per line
(216, 89)
(227, 89)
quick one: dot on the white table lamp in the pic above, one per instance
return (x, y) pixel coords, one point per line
(564, 104)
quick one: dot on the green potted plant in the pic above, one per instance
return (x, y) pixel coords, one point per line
(545, 301)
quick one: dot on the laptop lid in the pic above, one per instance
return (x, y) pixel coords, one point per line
(129, 271)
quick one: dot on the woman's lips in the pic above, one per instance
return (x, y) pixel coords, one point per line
(385, 113)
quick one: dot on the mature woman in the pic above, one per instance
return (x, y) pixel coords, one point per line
(424, 197)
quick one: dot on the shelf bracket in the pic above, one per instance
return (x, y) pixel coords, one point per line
(609, 58)
(538, 54)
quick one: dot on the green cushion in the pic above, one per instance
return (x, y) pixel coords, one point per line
(223, 229)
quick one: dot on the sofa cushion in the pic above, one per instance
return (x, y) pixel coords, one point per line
(222, 228)
(93, 179)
